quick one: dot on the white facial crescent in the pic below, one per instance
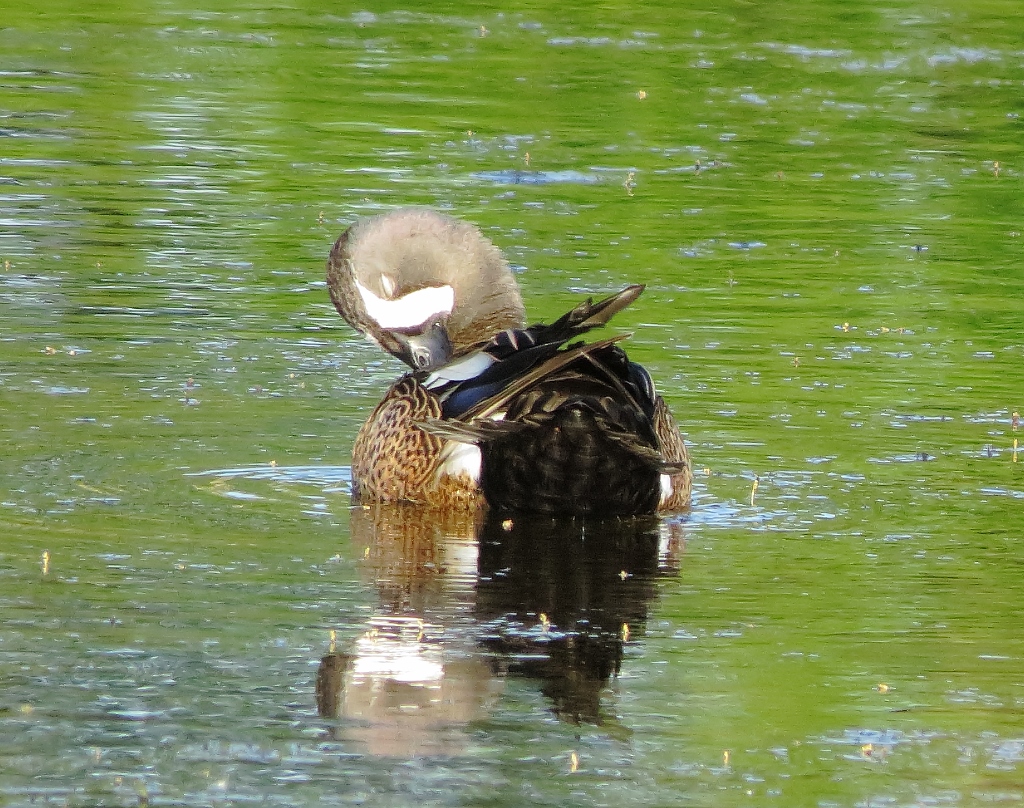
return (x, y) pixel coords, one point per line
(408, 311)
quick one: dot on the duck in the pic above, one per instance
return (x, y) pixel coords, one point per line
(494, 414)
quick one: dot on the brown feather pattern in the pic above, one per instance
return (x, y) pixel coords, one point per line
(673, 449)
(390, 461)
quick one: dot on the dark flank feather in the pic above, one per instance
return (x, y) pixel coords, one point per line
(569, 463)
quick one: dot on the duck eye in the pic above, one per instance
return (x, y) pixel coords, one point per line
(421, 356)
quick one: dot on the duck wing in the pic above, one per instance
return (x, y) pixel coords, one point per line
(576, 322)
(561, 428)
(477, 384)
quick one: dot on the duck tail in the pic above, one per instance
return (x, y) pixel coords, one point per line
(588, 315)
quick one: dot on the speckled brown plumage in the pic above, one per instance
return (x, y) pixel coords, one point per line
(395, 461)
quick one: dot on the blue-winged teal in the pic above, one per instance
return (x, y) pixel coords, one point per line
(519, 418)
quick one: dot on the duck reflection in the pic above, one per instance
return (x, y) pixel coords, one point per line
(467, 599)
(414, 678)
(558, 600)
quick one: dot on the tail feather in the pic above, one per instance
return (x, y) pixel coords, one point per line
(579, 320)
(588, 315)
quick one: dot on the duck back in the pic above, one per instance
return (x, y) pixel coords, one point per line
(577, 447)
(574, 434)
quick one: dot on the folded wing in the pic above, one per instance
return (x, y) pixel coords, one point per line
(562, 428)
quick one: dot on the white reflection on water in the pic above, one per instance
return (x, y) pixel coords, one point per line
(328, 477)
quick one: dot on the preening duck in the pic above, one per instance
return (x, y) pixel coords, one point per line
(495, 413)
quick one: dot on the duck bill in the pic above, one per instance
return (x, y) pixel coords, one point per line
(424, 350)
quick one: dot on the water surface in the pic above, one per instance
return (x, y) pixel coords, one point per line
(825, 205)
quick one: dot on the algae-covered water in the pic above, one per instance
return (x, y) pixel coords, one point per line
(825, 202)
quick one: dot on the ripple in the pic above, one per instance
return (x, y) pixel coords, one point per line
(998, 491)
(310, 475)
(518, 177)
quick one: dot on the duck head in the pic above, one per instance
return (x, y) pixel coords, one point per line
(424, 286)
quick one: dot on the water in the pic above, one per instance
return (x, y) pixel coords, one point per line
(825, 205)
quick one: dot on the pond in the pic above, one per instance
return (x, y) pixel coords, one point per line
(824, 200)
